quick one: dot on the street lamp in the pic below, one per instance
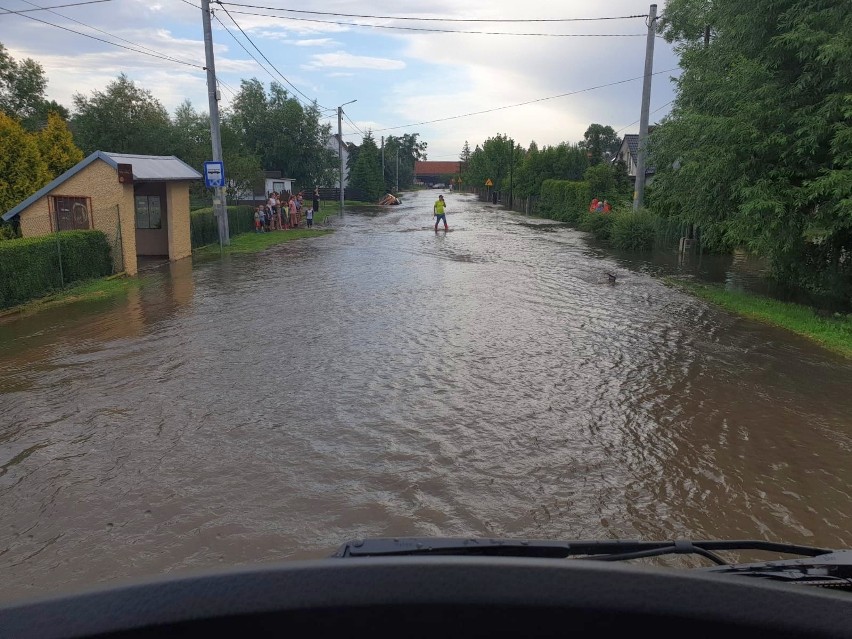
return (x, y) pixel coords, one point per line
(340, 146)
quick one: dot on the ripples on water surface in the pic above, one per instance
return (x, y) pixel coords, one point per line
(385, 380)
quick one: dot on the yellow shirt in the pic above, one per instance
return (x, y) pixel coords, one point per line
(438, 209)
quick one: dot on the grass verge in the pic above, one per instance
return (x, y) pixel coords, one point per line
(255, 242)
(832, 332)
(85, 291)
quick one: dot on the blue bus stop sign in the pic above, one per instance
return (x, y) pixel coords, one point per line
(214, 174)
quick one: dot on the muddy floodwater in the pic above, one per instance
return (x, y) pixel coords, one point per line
(387, 380)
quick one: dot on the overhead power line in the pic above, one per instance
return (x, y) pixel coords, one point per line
(251, 42)
(519, 104)
(115, 44)
(112, 35)
(429, 30)
(57, 6)
(637, 121)
(419, 19)
(357, 128)
(251, 55)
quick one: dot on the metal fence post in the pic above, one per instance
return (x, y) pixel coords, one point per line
(59, 253)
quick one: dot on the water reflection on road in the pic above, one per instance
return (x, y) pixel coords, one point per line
(385, 380)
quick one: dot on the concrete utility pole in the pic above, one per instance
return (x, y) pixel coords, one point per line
(219, 204)
(340, 146)
(397, 168)
(511, 181)
(639, 193)
(383, 160)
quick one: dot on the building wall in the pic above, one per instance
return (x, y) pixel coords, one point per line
(334, 146)
(271, 182)
(177, 202)
(111, 211)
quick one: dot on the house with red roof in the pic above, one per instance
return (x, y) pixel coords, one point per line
(431, 173)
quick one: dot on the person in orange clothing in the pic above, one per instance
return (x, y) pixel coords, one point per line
(607, 207)
(594, 205)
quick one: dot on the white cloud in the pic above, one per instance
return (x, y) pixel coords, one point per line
(316, 42)
(344, 60)
(450, 74)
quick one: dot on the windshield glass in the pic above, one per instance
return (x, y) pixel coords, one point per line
(493, 362)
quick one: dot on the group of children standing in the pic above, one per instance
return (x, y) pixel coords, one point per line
(599, 206)
(282, 211)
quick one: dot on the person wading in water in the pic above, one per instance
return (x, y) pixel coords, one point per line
(438, 212)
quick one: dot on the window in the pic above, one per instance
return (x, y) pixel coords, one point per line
(71, 213)
(148, 215)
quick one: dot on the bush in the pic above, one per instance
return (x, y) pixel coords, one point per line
(635, 230)
(29, 267)
(7, 232)
(599, 224)
(564, 200)
(204, 228)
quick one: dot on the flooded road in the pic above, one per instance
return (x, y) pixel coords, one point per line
(385, 380)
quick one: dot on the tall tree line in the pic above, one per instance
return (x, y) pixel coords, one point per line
(263, 129)
(35, 143)
(756, 151)
(371, 176)
(507, 163)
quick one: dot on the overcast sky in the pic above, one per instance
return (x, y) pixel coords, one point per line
(398, 77)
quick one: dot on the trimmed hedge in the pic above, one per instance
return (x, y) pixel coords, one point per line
(564, 200)
(29, 267)
(204, 229)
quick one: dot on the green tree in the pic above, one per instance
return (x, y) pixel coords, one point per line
(22, 169)
(756, 150)
(56, 146)
(22, 88)
(282, 133)
(464, 157)
(409, 150)
(489, 162)
(190, 136)
(602, 182)
(600, 142)
(190, 141)
(22, 85)
(367, 172)
(123, 119)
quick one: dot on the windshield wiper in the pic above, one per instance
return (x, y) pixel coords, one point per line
(615, 550)
(822, 566)
(818, 566)
(833, 569)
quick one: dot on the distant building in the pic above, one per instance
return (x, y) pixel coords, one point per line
(274, 181)
(428, 172)
(628, 153)
(334, 145)
(141, 203)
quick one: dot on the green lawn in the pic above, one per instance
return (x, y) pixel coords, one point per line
(84, 291)
(255, 242)
(832, 332)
